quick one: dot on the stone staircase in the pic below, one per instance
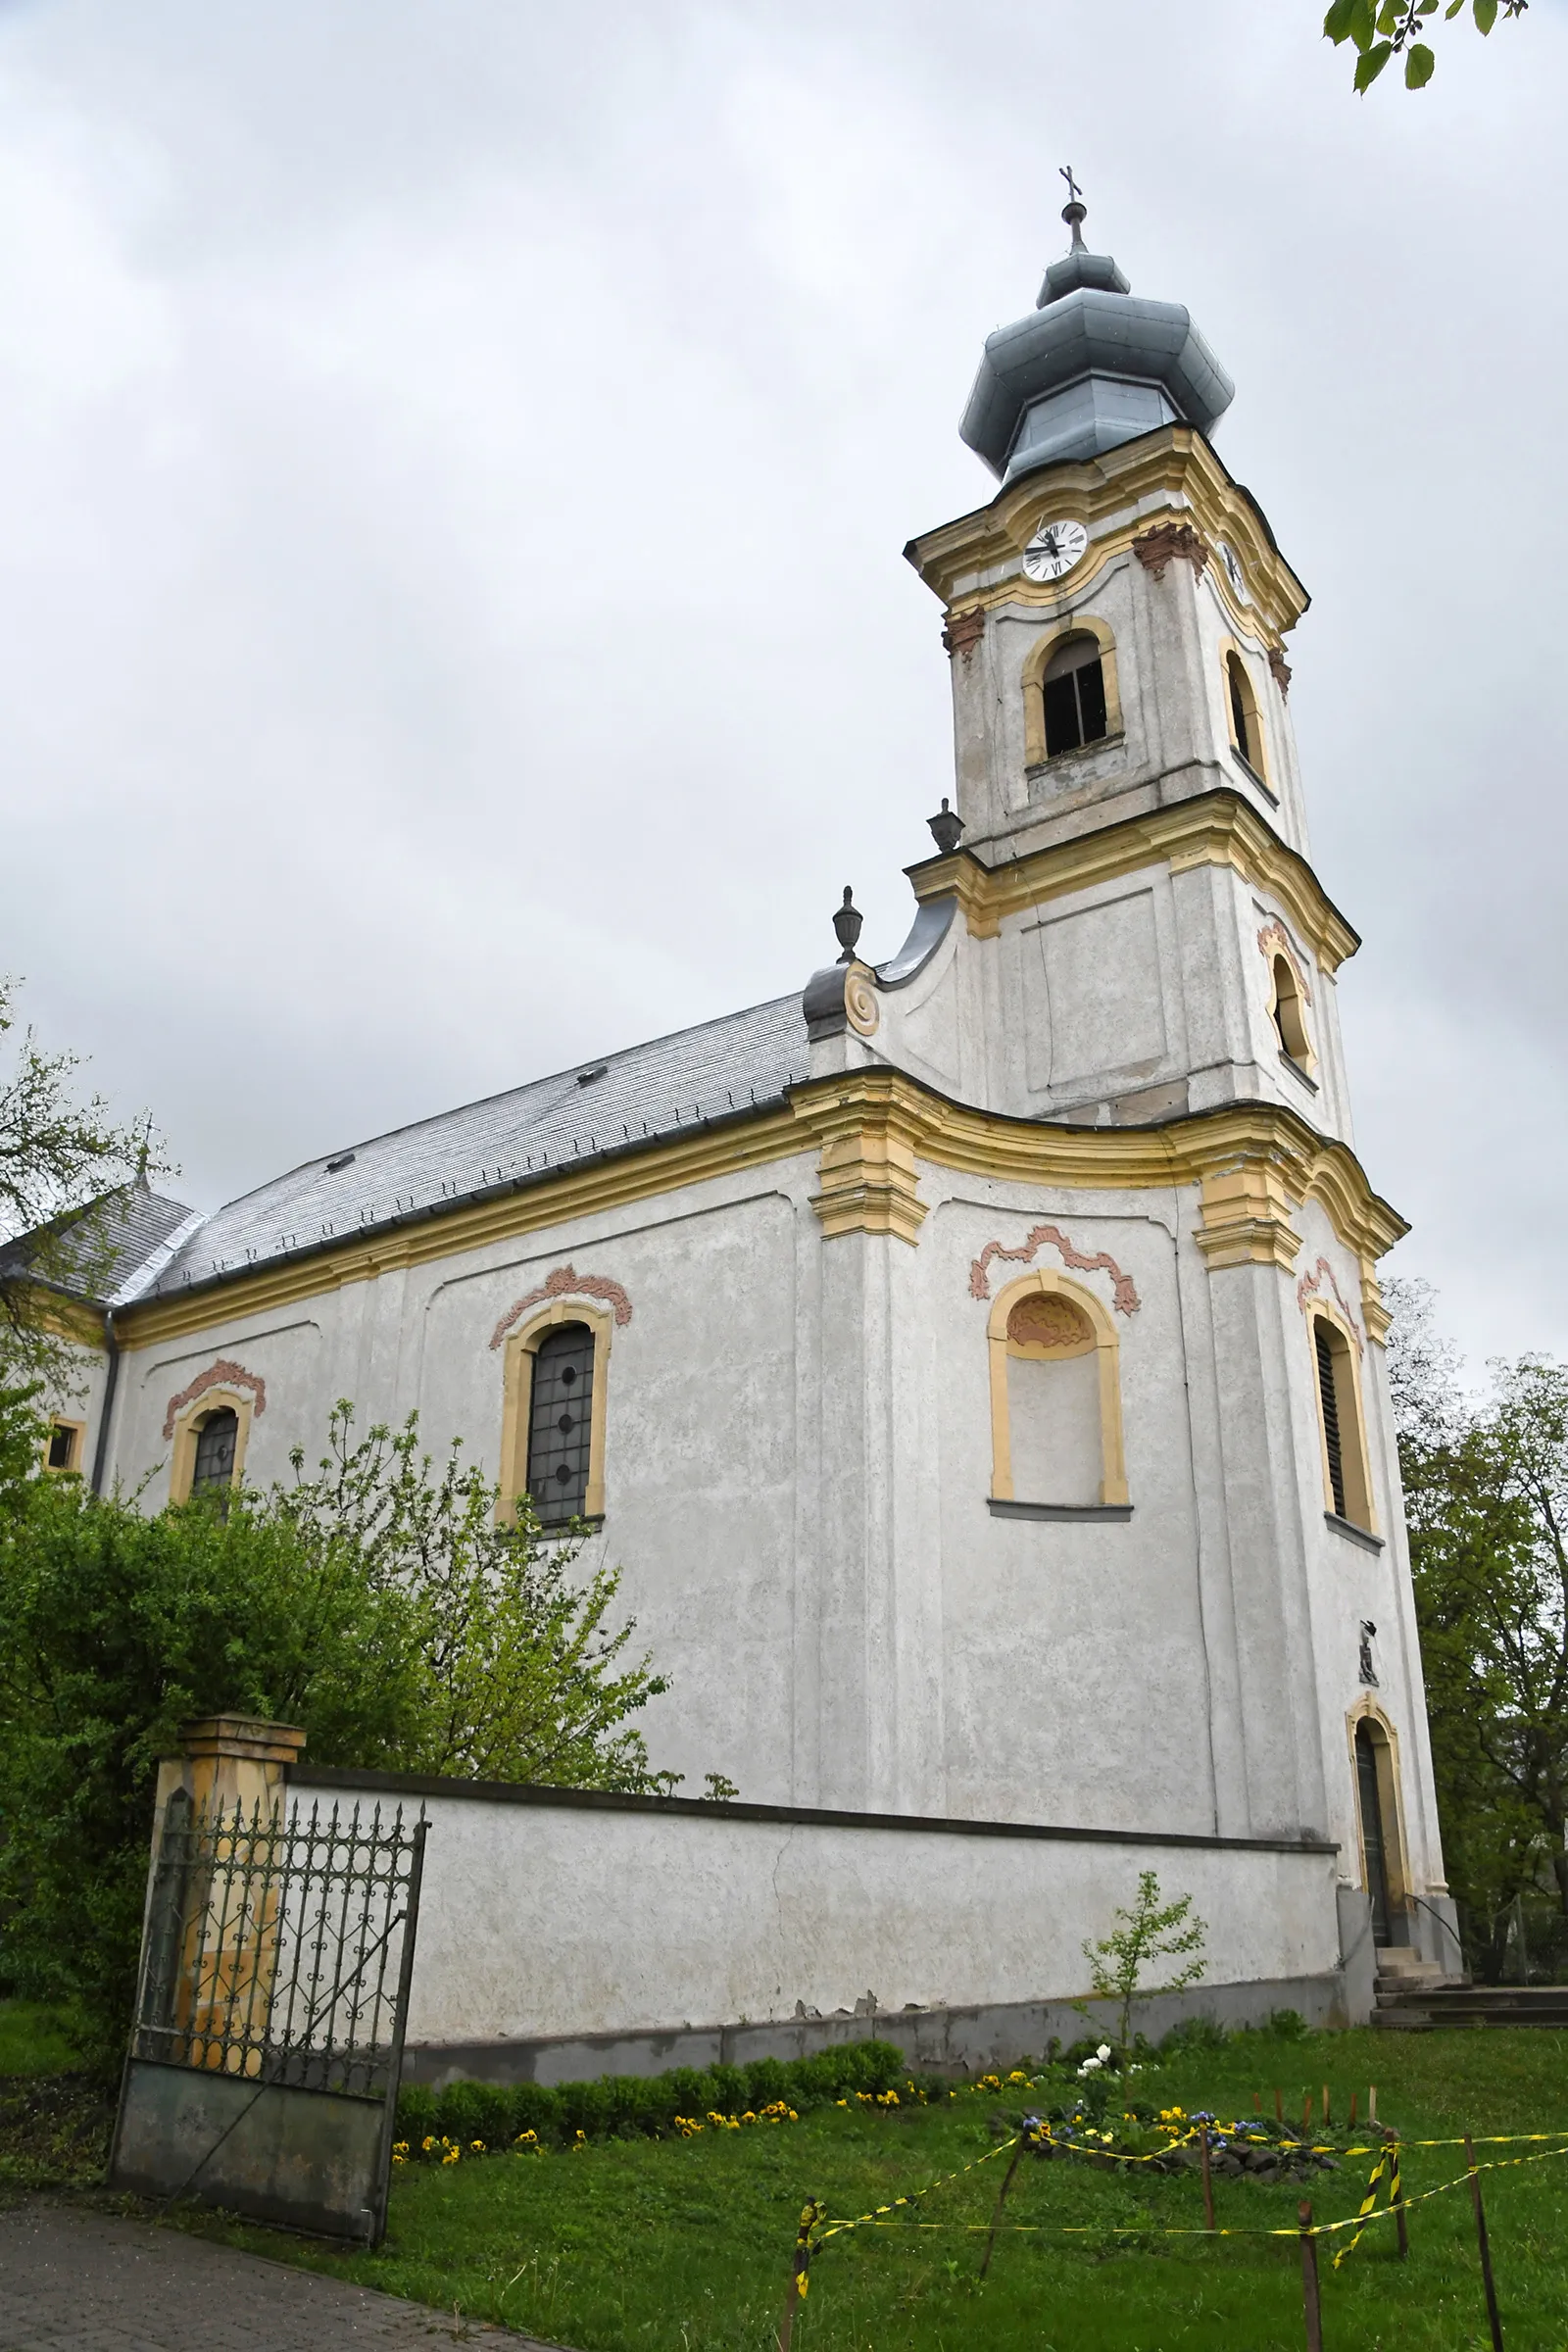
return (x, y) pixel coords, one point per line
(1413, 1996)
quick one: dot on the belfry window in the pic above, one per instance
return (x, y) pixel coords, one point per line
(1338, 1404)
(1247, 731)
(213, 1470)
(1073, 693)
(560, 1423)
(1287, 1017)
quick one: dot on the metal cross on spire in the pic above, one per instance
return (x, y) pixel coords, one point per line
(1073, 211)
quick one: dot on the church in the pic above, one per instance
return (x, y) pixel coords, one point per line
(974, 1361)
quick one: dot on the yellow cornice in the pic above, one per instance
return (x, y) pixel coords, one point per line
(1215, 828)
(1254, 1163)
(1116, 497)
(605, 1184)
(871, 1128)
(60, 1315)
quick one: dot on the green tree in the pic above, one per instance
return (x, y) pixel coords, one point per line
(522, 1675)
(1381, 30)
(375, 1602)
(1150, 1932)
(65, 1168)
(1487, 1504)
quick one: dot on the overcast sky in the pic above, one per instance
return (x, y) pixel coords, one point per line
(455, 458)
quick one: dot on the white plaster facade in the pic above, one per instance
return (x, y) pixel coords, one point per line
(1071, 1072)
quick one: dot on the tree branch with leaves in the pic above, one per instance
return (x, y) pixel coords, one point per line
(66, 1168)
(1381, 30)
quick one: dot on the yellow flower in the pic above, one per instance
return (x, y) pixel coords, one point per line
(477, 2145)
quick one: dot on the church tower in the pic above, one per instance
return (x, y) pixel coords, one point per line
(1165, 1569)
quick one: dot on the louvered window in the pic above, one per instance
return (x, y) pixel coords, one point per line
(561, 1423)
(1329, 1403)
(216, 1441)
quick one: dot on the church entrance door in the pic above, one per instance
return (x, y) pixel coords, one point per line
(1374, 1846)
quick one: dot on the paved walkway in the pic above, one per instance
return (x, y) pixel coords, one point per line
(74, 2281)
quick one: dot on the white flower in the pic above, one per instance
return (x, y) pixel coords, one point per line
(1104, 2052)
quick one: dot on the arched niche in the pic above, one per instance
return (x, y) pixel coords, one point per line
(1056, 1396)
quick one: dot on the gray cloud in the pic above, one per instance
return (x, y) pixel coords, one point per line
(454, 461)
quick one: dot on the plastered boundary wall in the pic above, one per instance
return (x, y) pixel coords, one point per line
(567, 1934)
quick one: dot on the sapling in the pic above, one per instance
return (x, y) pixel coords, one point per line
(1151, 1931)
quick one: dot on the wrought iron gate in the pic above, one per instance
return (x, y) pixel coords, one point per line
(263, 2063)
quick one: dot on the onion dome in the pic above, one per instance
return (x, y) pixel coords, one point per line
(1093, 367)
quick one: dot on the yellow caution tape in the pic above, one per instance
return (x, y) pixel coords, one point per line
(1357, 2222)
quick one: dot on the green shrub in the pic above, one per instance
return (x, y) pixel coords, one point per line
(416, 2111)
(643, 2105)
(1288, 2025)
(1199, 2035)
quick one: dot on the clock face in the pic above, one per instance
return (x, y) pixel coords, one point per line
(1232, 568)
(1054, 550)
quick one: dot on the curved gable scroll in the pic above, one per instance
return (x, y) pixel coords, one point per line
(565, 1281)
(221, 1375)
(1124, 1294)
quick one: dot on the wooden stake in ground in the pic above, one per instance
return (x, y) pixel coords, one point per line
(1372, 2103)
(1486, 2250)
(1208, 2184)
(1397, 2200)
(1309, 2300)
(1325, 2106)
(1352, 2111)
(812, 2211)
(1307, 2115)
(1026, 2139)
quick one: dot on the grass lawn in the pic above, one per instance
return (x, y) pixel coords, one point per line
(683, 2246)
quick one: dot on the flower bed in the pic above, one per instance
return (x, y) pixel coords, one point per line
(440, 2126)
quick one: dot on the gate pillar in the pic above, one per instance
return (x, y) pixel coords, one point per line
(229, 1760)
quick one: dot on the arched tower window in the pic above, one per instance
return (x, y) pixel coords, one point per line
(1339, 1400)
(213, 1465)
(1073, 693)
(561, 1423)
(1246, 728)
(1288, 1016)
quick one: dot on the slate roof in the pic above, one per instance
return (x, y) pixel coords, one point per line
(117, 1250)
(596, 1109)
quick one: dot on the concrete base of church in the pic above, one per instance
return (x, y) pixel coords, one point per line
(958, 2041)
